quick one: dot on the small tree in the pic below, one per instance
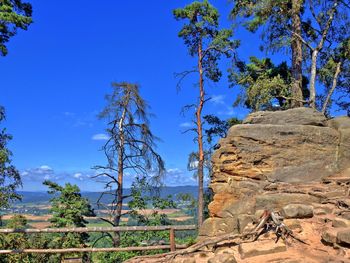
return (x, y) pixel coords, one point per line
(14, 14)
(207, 43)
(9, 176)
(68, 210)
(130, 147)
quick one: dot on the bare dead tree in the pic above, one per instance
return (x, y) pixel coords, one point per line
(129, 149)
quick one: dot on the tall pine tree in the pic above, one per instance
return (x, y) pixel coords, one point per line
(207, 44)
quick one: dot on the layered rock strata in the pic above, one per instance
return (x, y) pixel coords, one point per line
(274, 160)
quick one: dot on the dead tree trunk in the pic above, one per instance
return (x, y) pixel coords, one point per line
(119, 207)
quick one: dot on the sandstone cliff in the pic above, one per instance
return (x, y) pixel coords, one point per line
(274, 159)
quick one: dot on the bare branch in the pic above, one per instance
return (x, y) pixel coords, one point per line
(334, 85)
(328, 25)
(181, 76)
(302, 40)
(292, 98)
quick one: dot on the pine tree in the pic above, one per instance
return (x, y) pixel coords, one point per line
(68, 210)
(14, 15)
(207, 44)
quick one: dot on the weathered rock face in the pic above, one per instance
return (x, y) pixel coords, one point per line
(275, 159)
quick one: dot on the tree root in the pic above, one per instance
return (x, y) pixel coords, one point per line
(269, 221)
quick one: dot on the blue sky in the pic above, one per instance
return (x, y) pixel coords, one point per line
(56, 74)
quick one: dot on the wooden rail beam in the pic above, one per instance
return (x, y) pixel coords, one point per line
(98, 229)
(85, 249)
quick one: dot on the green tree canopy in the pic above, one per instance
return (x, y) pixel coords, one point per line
(14, 15)
(68, 206)
(15, 241)
(281, 25)
(10, 178)
(68, 210)
(264, 85)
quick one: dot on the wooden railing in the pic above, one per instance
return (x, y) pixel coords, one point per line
(172, 246)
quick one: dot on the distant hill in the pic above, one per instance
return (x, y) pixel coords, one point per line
(44, 197)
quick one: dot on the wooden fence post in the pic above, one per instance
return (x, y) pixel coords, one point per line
(172, 239)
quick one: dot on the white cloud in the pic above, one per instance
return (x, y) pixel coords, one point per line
(100, 137)
(223, 108)
(174, 170)
(186, 125)
(45, 168)
(217, 99)
(77, 175)
(176, 176)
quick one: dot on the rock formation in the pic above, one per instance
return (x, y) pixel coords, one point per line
(295, 162)
(275, 159)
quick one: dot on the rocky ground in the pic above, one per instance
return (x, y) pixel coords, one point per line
(324, 227)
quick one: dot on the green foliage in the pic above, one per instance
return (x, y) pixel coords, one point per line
(189, 203)
(320, 26)
(273, 15)
(14, 14)
(145, 196)
(23, 241)
(9, 176)
(201, 35)
(218, 128)
(68, 210)
(264, 85)
(15, 241)
(68, 206)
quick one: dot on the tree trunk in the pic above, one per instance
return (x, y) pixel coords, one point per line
(315, 55)
(118, 211)
(121, 144)
(297, 56)
(200, 137)
(313, 78)
(334, 85)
